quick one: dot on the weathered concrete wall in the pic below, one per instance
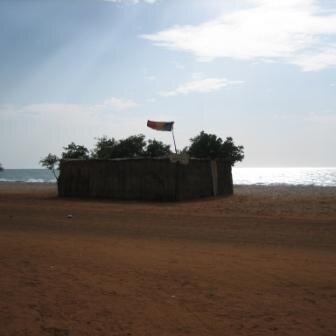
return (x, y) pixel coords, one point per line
(142, 179)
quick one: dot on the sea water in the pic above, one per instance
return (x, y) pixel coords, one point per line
(324, 177)
(247, 176)
(27, 175)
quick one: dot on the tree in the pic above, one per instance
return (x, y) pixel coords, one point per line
(132, 146)
(105, 148)
(50, 162)
(109, 148)
(231, 152)
(73, 151)
(207, 145)
(157, 148)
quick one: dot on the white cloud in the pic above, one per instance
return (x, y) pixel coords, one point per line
(33, 130)
(317, 60)
(323, 120)
(151, 100)
(204, 85)
(133, 1)
(115, 104)
(293, 31)
(197, 75)
(150, 77)
(62, 111)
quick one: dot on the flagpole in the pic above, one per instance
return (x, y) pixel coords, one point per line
(174, 140)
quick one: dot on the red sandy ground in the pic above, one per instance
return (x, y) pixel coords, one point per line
(262, 262)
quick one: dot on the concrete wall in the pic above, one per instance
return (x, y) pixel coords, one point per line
(143, 179)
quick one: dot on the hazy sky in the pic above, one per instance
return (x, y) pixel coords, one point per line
(261, 71)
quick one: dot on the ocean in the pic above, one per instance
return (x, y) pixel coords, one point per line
(27, 175)
(325, 177)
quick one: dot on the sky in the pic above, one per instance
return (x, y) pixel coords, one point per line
(261, 71)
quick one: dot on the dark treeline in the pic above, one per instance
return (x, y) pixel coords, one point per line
(133, 146)
(110, 148)
(204, 145)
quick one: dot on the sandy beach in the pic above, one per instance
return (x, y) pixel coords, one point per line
(262, 262)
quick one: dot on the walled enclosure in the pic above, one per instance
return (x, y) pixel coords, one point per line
(144, 179)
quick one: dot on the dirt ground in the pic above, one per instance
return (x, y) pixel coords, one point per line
(262, 262)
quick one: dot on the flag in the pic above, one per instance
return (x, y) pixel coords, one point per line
(161, 125)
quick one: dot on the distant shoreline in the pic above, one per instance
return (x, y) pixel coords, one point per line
(250, 176)
(26, 182)
(256, 185)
